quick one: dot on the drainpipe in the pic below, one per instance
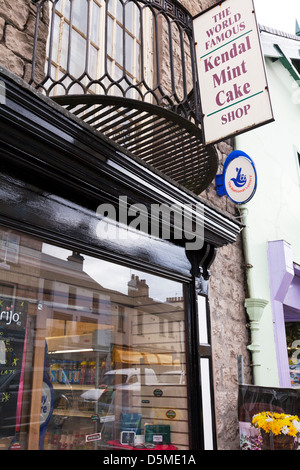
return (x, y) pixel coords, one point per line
(253, 305)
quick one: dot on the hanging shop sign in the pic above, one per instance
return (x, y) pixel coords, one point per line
(239, 178)
(232, 78)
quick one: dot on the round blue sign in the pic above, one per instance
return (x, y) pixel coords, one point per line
(239, 177)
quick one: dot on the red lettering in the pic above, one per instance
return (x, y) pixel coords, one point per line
(237, 114)
(235, 93)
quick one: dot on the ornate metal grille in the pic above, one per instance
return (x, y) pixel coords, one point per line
(127, 68)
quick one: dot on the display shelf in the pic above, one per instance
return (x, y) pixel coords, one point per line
(74, 387)
(73, 413)
(115, 444)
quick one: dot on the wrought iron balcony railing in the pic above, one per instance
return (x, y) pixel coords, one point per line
(127, 68)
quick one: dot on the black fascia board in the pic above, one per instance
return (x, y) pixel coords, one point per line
(40, 139)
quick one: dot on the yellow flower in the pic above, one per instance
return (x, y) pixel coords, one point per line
(277, 423)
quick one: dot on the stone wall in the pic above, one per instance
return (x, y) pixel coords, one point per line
(230, 334)
(17, 25)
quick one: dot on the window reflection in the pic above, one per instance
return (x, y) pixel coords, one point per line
(106, 341)
(293, 347)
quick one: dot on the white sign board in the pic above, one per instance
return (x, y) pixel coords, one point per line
(232, 79)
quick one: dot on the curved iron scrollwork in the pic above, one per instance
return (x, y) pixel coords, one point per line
(175, 9)
(113, 84)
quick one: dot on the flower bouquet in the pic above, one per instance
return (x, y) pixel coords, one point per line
(278, 430)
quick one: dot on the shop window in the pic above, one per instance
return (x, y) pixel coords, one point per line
(89, 377)
(293, 347)
(124, 22)
(84, 39)
(87, 44)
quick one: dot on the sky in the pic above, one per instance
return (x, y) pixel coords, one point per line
(278, 14)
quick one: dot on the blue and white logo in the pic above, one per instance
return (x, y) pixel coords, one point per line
(239, 178)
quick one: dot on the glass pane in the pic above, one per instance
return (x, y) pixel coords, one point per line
(118, 73)
(129, 48)
(106, 82)
(206, 404)
(55, 38)
(118, 53)
(93, 62)
(138, 62)
(78, 54)
(92, 354)
(129, 17)
(67, 9)
(95, 24)
(202, 320)
(119, 11)
(59, 5)
(111, 6)
(64, 46)
(138, 23)
(80, 15)
(110, 26)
